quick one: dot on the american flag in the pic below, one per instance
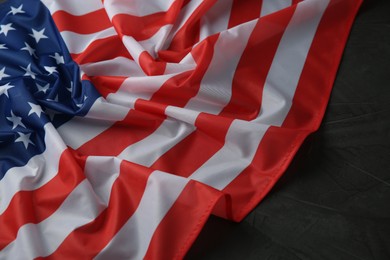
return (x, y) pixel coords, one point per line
(125, 124)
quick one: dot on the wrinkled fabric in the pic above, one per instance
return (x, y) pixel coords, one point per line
(125, 125)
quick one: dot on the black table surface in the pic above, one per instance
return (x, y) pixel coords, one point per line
(334, 200)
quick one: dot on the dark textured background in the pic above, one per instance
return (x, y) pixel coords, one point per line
(334, 200)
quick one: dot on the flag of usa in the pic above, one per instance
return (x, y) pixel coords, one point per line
(125, 124)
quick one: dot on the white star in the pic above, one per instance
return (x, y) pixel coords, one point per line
(30, 49)
(35, 109)
(59, 59)
(15, 10)
(3, 47)
(43, 88)
(6, 28)
(29, 72)
(16, 120)
(25, 139)
(4, 89)
(71, 87)
(51, 70)
(2, 74)
(38, 35)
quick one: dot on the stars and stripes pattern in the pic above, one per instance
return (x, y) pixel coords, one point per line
(125, 124)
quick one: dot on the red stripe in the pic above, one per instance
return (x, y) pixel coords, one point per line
(201, 50)
(87, 241)
(107, 84)
(187, 215)
(177, 93)
(295, 2)
(144, 27)
(279, 145)
(244, 11)
(185, 2)
(188, 83)
(188, 35)
(85, 24)
(180, 91)
(249, 80)
(150, 66)
(109, 48)
(193, 151)
(272, 157)
(136, 126)
(173, 56)
(35, 206)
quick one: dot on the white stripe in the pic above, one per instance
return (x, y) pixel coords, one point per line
(243, 138)
(136, 7)
(272, 6)
(134, 88)
(149, 149)
(283, 76)
(133, 47)
(133, 239)
(74, 7)
(186, 64)
(82, 205)
(182, 114)
(101, 172)
(39, 170)
(34, 240)
(216, 19)
(241, 143)
(119, 66)
(155, 43)
(100, 117)
(216, 86)
(104, 111)
(77, 43)
(172, 131)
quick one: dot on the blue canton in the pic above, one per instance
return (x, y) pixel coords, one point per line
(39, 82)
